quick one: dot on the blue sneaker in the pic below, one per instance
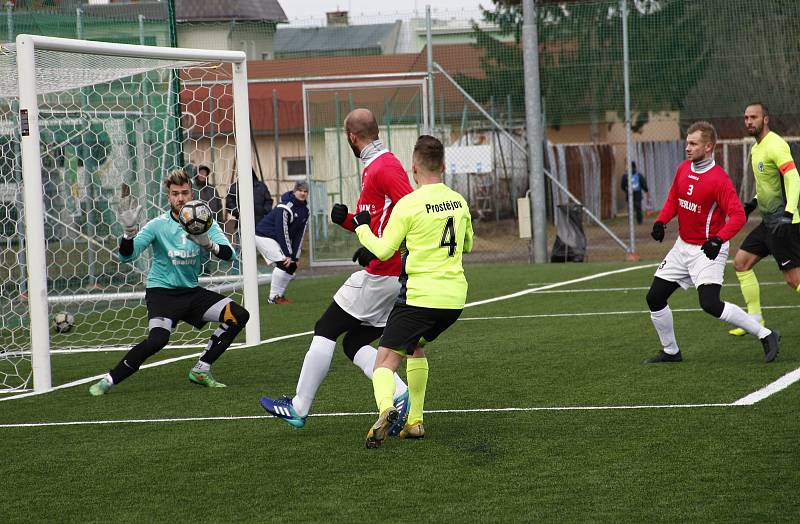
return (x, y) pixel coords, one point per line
(402, 405)
(283, 409)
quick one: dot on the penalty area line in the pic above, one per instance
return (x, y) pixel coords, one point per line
(364, 414)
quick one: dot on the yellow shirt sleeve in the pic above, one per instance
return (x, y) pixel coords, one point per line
(393, 234)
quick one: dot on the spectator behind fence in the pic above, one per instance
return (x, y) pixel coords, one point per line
(262, 200)
(207, 192)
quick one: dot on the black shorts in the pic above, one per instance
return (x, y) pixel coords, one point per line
(406, 325)
(188, 304)
(786, 251)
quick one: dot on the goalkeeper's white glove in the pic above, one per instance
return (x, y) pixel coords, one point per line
(204, 241)
(129, 216)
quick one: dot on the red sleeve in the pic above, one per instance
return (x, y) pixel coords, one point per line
(348, 222)
(670, 207)
(732, 207)
(396, 184)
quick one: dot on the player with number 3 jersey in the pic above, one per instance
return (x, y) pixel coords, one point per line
(702, 196)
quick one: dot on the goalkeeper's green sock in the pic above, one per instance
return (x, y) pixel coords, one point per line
(748, 282)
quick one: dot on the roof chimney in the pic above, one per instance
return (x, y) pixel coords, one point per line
(338, 18)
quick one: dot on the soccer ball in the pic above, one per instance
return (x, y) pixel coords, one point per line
(195, 217)
(63, 322)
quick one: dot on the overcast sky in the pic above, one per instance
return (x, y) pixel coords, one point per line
(299, 10)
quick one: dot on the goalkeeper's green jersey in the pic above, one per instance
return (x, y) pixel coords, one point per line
(432, 227)
(777, 180)
(177, 261)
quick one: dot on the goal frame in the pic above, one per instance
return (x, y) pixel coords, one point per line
(33, 197)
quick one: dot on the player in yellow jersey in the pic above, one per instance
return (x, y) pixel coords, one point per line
(777, 193)
(432, 228)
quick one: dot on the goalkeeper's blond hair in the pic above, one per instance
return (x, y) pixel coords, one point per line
(178, 178)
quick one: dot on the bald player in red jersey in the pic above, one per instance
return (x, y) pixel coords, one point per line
(709, 215)
(361, 306)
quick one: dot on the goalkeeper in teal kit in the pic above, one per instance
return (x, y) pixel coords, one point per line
(432, 228)
(172, 292)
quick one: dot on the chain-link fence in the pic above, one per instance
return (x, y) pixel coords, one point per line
(689, 60)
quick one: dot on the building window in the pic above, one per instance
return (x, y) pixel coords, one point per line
(295, 168)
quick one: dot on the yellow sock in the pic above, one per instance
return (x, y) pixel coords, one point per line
(417, 376)
(798, 289)
(383, 386)
(750, 291)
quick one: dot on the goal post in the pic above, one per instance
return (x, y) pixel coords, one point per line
(106, 111)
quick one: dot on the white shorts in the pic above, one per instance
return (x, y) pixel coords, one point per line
(269, 249)
(369, 298)
(688, 266)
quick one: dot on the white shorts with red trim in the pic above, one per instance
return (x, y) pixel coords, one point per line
(369, 298)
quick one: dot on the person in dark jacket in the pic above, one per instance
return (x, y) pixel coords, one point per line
(262, 200)
(207, 192)
(639, 188)
(279, 239)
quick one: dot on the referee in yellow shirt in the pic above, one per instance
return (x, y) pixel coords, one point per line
(432, 228)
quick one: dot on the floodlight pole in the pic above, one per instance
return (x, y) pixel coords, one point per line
(534, 131)
(628, 132)
(429, 45)
(34, 214)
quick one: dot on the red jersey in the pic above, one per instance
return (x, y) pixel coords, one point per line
(702, 202)
(384, 181)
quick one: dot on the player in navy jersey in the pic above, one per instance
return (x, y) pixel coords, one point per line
(702, 196)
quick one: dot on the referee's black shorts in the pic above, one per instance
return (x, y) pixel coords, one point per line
(786, 250)
(188, 304)
(407, 325)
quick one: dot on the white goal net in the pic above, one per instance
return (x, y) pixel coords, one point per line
(112, 121)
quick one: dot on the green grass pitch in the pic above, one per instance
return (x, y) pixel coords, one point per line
(481, 460)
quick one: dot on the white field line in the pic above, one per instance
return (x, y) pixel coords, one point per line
(604, 313)
(638, 288)
(154, 364)
(764, 392)
(360, 414)
(770, 389)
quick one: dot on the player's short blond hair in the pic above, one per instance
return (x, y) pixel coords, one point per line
(707, 131)
(177, 178)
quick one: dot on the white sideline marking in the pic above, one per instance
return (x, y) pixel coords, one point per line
(557, 284)
(360, 414)
(154, 364)
(638, 288)
(603, 313)
(770, 389)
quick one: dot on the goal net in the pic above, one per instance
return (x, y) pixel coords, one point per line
(108, 121)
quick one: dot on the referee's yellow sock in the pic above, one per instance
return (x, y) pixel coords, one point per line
(383, 387)
(750, 291)
(417, 376)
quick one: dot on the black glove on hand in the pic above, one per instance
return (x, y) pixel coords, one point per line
(338, 213)
(362, 218)
(711, 247)
(658, 231)
(749, 207)
(363, 256)
(784, 225)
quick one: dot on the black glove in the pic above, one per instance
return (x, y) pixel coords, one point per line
(658, 231)
(784, 225)
(363, 256)
(711, 247)
(338, 213)
(749, 207)
(361, 218)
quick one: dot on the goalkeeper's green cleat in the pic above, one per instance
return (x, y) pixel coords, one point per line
(100, 388)
(739, 332)
(204, 379)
